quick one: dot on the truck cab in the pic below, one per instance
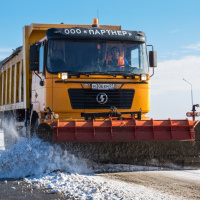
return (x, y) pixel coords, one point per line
(93, 72)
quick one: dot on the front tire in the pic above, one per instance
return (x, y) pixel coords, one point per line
(45, 132)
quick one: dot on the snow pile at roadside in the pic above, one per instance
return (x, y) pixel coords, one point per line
(81, 186)
(34, 157)
(93, 187)
(51, 167)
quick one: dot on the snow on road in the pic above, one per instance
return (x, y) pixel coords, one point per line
(49, 166)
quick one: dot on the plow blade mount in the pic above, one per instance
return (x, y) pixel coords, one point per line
(126, 130)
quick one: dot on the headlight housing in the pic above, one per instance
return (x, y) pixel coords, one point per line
(144, 77)
(63, 76)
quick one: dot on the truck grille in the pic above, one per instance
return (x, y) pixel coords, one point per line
(86, 99)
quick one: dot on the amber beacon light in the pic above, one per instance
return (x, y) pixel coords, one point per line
(95, 23)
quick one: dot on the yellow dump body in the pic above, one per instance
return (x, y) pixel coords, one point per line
(12, 82)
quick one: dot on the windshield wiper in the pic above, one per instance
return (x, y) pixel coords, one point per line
(125, 74)
(72, 73)
(102, 73)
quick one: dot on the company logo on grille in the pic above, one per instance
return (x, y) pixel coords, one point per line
(87, 98)
(102, 98)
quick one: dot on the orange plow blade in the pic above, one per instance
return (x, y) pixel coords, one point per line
(126, 130)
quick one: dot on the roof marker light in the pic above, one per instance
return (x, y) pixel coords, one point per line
(95, 23)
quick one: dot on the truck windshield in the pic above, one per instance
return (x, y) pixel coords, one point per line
(96, 57)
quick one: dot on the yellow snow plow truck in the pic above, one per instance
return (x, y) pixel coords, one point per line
(88, 87)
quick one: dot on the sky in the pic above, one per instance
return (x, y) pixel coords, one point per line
(171, 26)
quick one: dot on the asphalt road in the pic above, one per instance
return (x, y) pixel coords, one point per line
(19, 189)
(180, 184)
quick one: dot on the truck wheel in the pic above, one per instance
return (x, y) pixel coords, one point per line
(45, 132)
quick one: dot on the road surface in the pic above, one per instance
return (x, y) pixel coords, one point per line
(180, 184)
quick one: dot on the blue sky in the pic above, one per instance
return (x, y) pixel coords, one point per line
(172, 26)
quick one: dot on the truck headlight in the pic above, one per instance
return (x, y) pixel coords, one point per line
(63, 75)
(144, 77)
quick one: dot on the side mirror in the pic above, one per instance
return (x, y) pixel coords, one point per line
(152, 58)
(34, 57)
(41, 83)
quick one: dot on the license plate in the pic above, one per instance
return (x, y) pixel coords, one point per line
(99, 86)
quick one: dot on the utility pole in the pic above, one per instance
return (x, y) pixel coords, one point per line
(193, 106)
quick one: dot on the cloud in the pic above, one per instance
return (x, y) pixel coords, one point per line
(169, 54)
(3, 56)
(191, 49)
(174, 31)
(5, 52)
(169, 75)
(170, 94)
(195, 47)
